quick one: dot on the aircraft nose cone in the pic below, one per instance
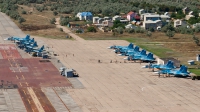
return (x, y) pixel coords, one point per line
(109, 47)
(126, 58)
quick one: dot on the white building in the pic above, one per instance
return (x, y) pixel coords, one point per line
(130, 26)
(117, 17)
(187, 17)
(156, 25)
(195, 25)
(95, 19)
(179, 22)
(149, 16)
(165, 18)
(141, 11)
(84, 16)
(107, 23)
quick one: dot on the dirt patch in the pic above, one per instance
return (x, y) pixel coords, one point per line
(28, 27)
(54, 33)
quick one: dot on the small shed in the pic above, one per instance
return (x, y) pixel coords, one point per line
(67, 72)
(165, 60)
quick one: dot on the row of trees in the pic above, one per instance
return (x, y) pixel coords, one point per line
(10, 8)
(107, 7)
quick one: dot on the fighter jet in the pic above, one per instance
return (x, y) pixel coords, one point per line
(137, 54)
(169, 65)
(117, 47)
(20, 39)
(38, 50)
(29, 42)
(123, 50)
(176, 72)
(148, 58)
(29, 48)
(181, 72)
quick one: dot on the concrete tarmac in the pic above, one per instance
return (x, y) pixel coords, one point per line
(121, 87)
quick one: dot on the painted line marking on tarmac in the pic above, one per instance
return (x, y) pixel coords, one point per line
(20, 83)
(23, 76)
(35, 99)
(29, 101)
(27, 83)
(17, 77)
(24, 92)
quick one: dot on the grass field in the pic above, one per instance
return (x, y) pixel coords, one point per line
(195, 71)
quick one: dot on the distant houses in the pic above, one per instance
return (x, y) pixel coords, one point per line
(84, 16)
(179, 22)
(186, 10)
(151, 20)
(133, 16)
(117, 17)
(133, 19)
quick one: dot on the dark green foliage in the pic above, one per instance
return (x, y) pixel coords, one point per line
(117, 24)
(40, 8)
(196, 40)
(151, 29)
(119, 30)
(179, 15)
(55, 13)
(170, 33)
(193, 20)
(197, 29)
(149, 33)
(91, 29)
(64, 21)
(130, 30)
(21, 20)
(78, 31)
(23, 12)
(52, 21)
(61, 29)
(168, 27)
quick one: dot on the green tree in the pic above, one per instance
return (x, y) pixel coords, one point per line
(21, 20)
(193, 20)
(149, 33)
(52, 21)
(23, 12)
(197, 29)
(170, 33)
(55, 13)
(91, 29)
(196, 40)
(168, 27)
(120, 30)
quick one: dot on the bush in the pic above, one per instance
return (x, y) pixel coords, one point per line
(130, 30)
(120, 30)
(91, 29)
(196, 40)
(78, 31)
(21, 20)
(197, 29)
(151, 29)
(167, 27)
(52, 21)
(170, 33)
(64, 20)
(55, 13)
(24, 12)
(61, 29)
(149, 33)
